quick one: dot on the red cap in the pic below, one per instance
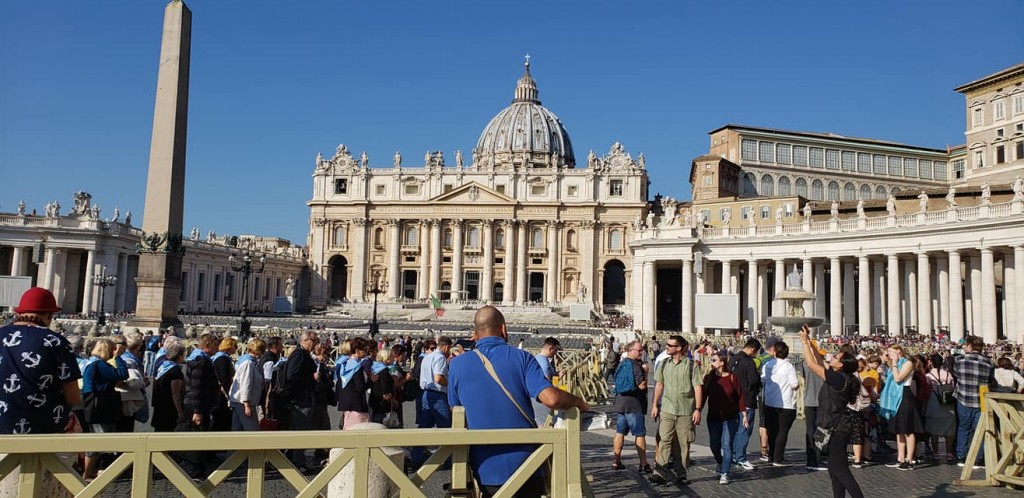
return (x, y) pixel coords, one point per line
(37, 300)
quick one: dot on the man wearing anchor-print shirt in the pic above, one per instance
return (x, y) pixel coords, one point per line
(38, 371)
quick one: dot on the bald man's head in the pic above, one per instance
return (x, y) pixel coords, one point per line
(489, 322)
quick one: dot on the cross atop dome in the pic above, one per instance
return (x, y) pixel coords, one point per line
(526, 89)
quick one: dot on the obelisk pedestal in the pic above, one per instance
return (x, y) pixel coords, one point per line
(159, 279)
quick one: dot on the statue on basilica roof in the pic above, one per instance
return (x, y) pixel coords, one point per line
(641, 161)
(890, 205)
(951, 197)
(397, 161)
(458, 158)
(986, 194)
(834, 211)
(860, 208)
(364, 160)
(922, 203)
(1018, 189)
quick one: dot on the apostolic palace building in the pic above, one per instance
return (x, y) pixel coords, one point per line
(889, 237)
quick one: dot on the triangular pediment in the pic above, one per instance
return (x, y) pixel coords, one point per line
(473, 193)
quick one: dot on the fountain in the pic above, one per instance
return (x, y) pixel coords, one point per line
(794, 295)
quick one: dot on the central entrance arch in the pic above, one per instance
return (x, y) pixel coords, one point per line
(339, 277)
(613, 290)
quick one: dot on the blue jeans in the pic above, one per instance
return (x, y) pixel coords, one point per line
(432, 411)
(742, 436)
(967, 421)
(721, 434)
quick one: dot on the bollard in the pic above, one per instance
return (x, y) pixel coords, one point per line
(380, 485)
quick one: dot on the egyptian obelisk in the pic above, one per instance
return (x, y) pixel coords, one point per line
(159, 280)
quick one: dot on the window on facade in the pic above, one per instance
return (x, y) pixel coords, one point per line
(746, 212)
(863, 162)
(799, 155)
(536, 238)
(615, 188)
(216, 287)
(448, 187)
(832, 159)
(880, 192)
(500, 189)
(615, 240)
(572, 190)
(1020, 150)
(801, 187)
(895, 166)
(749, 150)
(958, 168)
(848, 161)
(340, 186)
(201, 287)
(538, 189)
(229, 285)
(833, 191)
(705, 214)
(378, 237)
(499, 238)
(412, 236)
(1018, 104)
(817, 157)
(570, 240)
(412, 189)
(925, 169)
(878, 164)
(709, 180)
(865, 192)
(999, 132)
(979, 115)
(474, 237)
(381, 189)
(817, 190)
(749, 184)
(766, 212)
(783, 154)
(979, 159)
(910, 168)
(849, 192)
(785, 187)
(340, 236)
(766, 152)
(788, 209)
(447, 238)
(1000, 154)
(999, 109)
(767, 186)
(939, 170)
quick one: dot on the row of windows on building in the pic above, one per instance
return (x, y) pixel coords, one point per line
(998, 109)
(1000, 155)
(819, 190)
(615, 188)
(229, 287)
(411, 237)
(765, 212)
(841, 160)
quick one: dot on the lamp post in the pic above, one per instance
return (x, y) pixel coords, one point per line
(375, 286)
(103, 281)
(246, 268)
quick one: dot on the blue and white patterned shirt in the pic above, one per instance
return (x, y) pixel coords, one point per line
(35, 363)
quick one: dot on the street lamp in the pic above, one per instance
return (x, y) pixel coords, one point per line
(375, 286)
(103, 281)
(246, 267)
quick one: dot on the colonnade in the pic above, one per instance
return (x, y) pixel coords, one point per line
(951, 291)
(59, 273)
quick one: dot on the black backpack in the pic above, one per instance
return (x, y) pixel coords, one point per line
(279, 385)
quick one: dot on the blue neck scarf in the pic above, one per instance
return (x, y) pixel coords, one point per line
(378, 367)
(131, 360)
(216, 355)
(244, 358)
(164, 367)
(196, 353)
(345, 372)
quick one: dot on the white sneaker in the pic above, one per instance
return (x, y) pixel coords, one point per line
(746, 465)
(724, 479)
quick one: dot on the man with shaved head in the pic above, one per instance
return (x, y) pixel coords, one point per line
(472, 386)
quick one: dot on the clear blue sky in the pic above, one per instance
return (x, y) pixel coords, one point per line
(273, 83)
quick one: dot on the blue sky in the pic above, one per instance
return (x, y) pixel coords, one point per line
(273, 83)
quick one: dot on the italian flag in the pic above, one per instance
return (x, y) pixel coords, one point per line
(436, 304)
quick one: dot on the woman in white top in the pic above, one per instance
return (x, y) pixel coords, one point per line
(246, 388)
(780, 387)
(1007, 378)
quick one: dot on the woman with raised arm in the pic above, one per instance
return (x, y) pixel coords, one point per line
(839, 390)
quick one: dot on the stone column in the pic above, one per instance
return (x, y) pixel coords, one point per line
(457, 247)
(50, 268)
(820, 302)
(551, 287)
(808, 285)
(522, 284)
(687, 295)
(423, 282)
(836, 296)
(976, 299)
(18, 261)
(912, 304)
(435, 257)
(88, 304)
(487, 275)
(849, 291)
(988, 296)
(1018, 294)
(924, 294)
(878, 293)
(508, 291)
(395, 256)
(159, 279)
(864, 296)
(752, 295)
(956, 298)
(778, 307)
(122, 283)
(648, 296)
(361, 241)
(588, 260)
(1010, 276)
(943, 273)
(763, 304)
(726, 277)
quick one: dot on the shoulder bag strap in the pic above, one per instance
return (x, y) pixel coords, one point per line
(494, 375)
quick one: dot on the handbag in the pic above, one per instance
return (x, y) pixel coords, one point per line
(101, 407)
(269, 424)
(391, 420)
(821, 438)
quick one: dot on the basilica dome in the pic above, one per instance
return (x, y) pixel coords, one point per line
(525, 132)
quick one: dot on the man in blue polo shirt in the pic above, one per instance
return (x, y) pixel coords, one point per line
(432, 406)
(487, 407)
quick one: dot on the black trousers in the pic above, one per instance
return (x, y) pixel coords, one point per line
(839, 467)
(532, 488)
(778, 421)
(811, 415)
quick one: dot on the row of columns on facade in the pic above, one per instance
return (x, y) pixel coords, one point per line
(47, 278)
(515, 285)
(876, 291)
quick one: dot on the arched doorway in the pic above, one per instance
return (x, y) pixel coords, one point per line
(339, 277)
(499, 293)
(614, 288)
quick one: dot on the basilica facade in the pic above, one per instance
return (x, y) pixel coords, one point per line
(515, 222)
